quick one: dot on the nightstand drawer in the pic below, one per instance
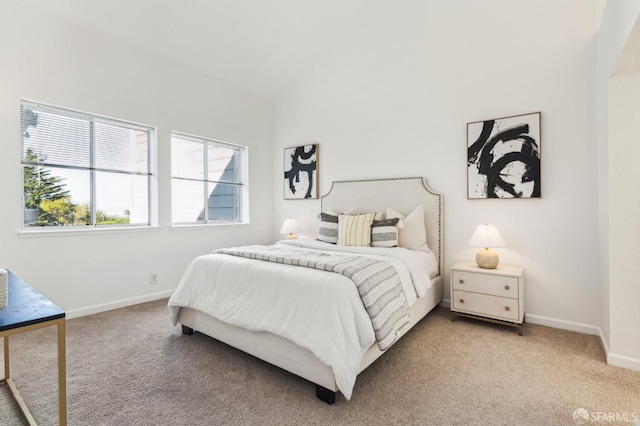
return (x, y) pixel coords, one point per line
(487, 284)
(485, 305)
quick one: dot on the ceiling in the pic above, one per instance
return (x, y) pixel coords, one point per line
(258, 45)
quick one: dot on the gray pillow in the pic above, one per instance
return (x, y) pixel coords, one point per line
(384, 233)
(328, 231)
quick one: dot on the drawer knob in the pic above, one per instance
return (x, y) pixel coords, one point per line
(506, 287)
(461, 300)
(506, 308)
(461, 281)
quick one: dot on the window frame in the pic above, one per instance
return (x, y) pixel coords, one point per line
(242, 199)
(93, 118)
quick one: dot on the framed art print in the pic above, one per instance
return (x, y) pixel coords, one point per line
(301, 172)
(503, 157)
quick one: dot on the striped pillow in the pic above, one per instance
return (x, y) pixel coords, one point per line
(328, 231)
(355, 230)
(384, 233)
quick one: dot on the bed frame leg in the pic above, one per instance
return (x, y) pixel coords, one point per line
(187, 330)
(325, 394)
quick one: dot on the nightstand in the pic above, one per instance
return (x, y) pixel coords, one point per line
(494, 295)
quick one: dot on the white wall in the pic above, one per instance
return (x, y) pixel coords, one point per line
(393, 98)
(49, 61)
(624, 150)
(618, 88)
(617, 306)
(618, 18)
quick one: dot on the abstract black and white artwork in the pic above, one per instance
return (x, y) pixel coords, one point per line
(301, 172)
(503, 157)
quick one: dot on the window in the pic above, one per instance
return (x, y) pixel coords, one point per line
(84, 170)
(207, 180)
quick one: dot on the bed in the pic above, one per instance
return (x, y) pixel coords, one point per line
(311, 353)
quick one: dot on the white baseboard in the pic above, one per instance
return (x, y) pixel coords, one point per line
(95, 309)
(603, 342)
(623, 361)
(563, 324)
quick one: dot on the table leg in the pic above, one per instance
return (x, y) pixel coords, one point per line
(62, 372)
(6, 357)
(12, 386)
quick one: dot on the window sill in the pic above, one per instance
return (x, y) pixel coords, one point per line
(69, 231)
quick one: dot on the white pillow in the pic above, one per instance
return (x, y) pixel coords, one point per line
(413, 234)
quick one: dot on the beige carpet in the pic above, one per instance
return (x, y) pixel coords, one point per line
(131, 367)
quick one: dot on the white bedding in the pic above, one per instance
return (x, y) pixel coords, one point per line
(318, 310)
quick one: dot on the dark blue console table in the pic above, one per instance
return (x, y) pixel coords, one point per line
(27, 310)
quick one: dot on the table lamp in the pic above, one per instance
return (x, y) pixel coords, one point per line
(290, 226)
(487, 236)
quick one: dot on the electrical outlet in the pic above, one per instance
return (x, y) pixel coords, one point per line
(153, 278)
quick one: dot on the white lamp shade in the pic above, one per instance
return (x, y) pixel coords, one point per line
(487, 236)
(289, 226)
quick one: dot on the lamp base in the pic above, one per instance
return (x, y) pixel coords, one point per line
(487, 259)
(292, 236)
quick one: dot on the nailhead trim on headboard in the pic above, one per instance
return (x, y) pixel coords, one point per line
(428, 216)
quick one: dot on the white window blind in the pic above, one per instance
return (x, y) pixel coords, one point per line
(207, 180)
(82, 169)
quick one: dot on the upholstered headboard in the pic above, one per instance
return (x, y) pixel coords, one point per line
(401, 194)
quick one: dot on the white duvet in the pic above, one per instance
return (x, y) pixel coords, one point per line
(318, 310)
